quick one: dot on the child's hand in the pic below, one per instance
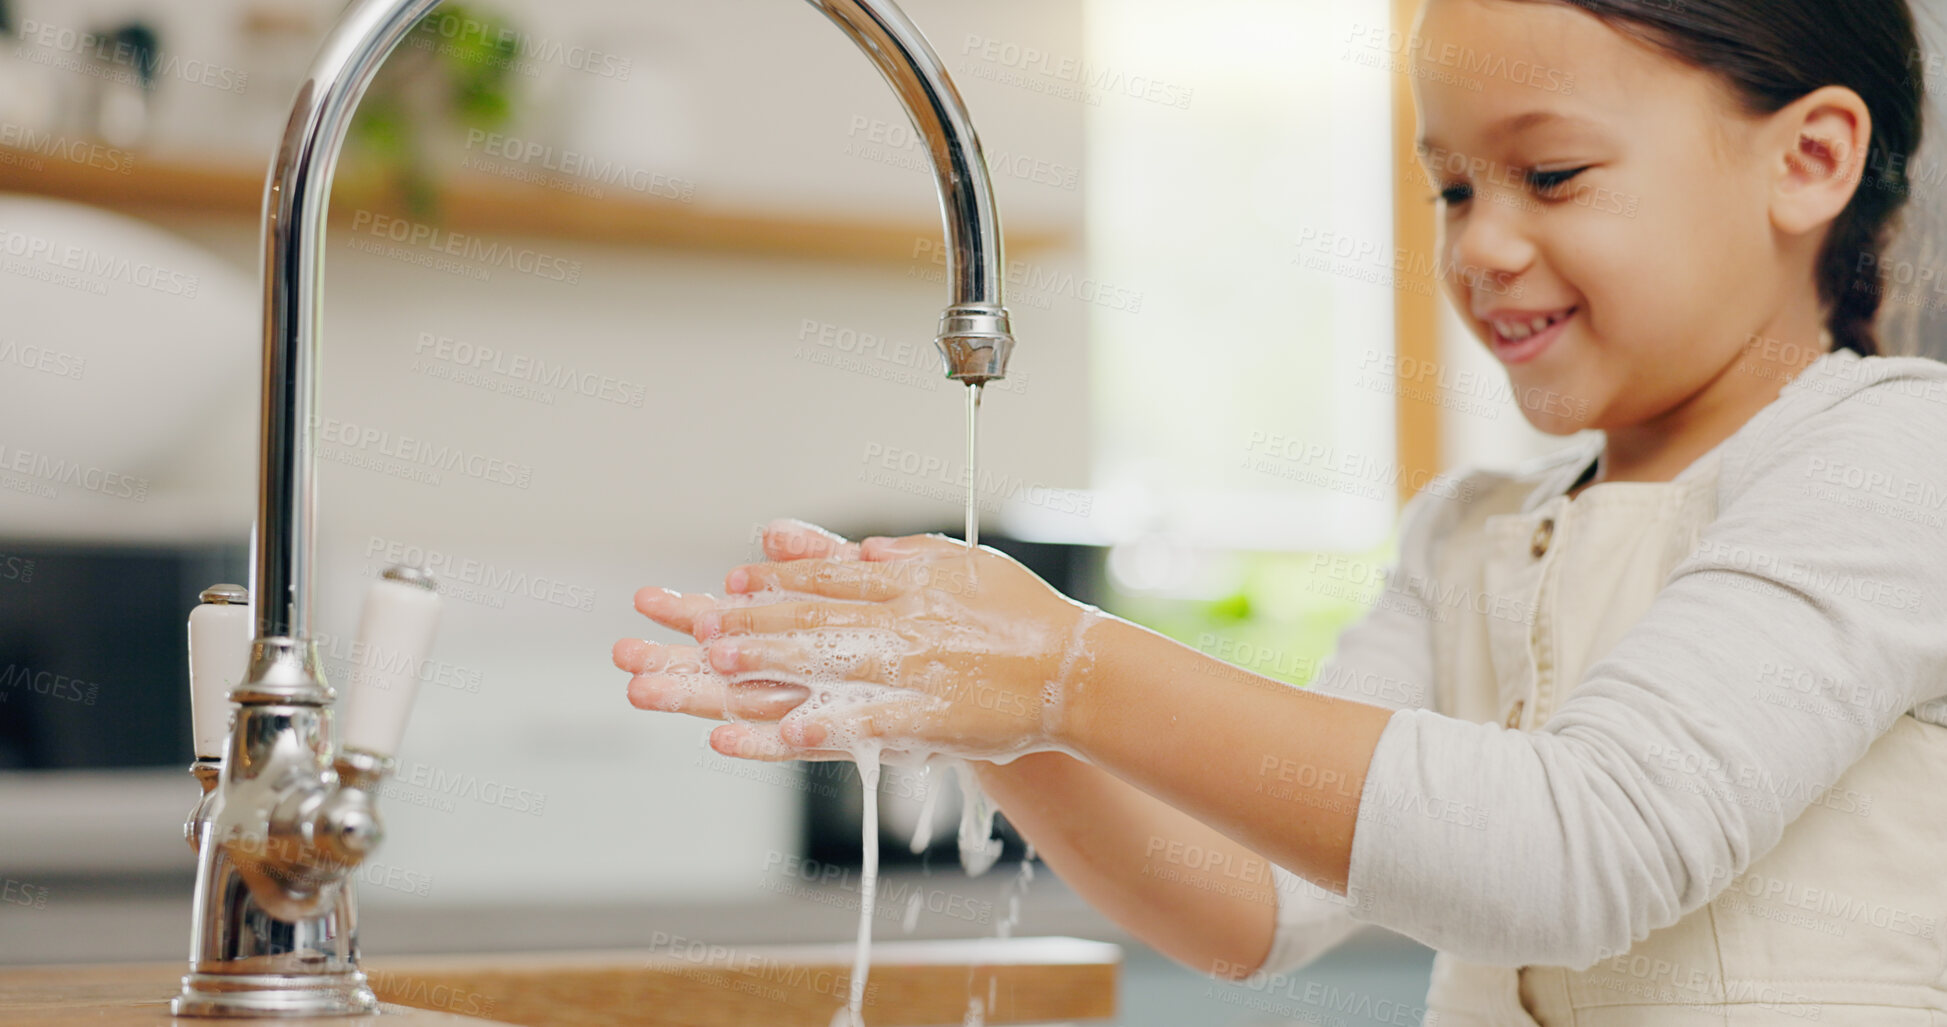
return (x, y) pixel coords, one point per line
(911, 642)
(970, 650)
(675, 678)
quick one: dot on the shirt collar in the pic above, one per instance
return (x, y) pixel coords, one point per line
(1561, 470)
(1556, 477)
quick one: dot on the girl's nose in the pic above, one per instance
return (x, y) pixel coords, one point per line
(1489, 249)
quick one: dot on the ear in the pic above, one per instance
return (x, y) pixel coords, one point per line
(1822, 141)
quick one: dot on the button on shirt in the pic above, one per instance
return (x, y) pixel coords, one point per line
(1543, 535)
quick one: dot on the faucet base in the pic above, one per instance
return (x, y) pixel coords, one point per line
(279, 995)
(258, 950)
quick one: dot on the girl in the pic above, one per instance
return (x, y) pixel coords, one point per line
(1647, 734)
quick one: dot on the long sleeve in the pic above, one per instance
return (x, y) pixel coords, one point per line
(1660, 777)
(1383, 659)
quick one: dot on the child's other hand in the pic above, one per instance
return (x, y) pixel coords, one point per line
(676, 679)
(922, 644)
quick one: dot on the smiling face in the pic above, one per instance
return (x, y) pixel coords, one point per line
(1605, 224)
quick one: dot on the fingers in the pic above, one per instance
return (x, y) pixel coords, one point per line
(767, 701)
(761, 742)
(638, 656)
(904, 547)
(673, 609)
(885, 720)
(847, 654)
(833, 579)
(713, 698)
(695, 694)
(677, 679)
(785, 618)
(786, 539)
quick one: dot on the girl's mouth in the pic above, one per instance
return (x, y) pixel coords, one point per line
(1521, 336)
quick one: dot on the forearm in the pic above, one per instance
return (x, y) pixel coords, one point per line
(1185, 889)
(1278, 769)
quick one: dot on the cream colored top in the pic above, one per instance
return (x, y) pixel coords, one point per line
(1695, 722)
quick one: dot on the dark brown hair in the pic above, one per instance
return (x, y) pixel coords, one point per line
(1774, 52)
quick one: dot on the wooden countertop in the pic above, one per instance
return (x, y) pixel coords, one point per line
(138, 994)
(694, 984)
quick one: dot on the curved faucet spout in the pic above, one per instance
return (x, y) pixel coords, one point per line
(975, 338)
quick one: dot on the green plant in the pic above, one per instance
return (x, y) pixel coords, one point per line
(452, 73)
(1284, 618)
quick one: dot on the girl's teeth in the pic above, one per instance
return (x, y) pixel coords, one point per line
(1514, 332)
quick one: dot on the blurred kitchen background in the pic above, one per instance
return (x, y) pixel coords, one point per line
(664, 272)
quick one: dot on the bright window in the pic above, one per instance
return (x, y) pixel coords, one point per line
(1241, 182)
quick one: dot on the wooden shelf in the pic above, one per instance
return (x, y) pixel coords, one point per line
(474, 202)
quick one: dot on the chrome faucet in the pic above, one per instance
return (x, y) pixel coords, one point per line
(288, 811)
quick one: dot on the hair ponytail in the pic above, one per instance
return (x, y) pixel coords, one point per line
(1849, 280)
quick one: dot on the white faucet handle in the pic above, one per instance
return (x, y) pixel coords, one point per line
(219, 656)
(395, 634)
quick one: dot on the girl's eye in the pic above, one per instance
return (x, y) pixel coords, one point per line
(1454, 194)
(1547, 182)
